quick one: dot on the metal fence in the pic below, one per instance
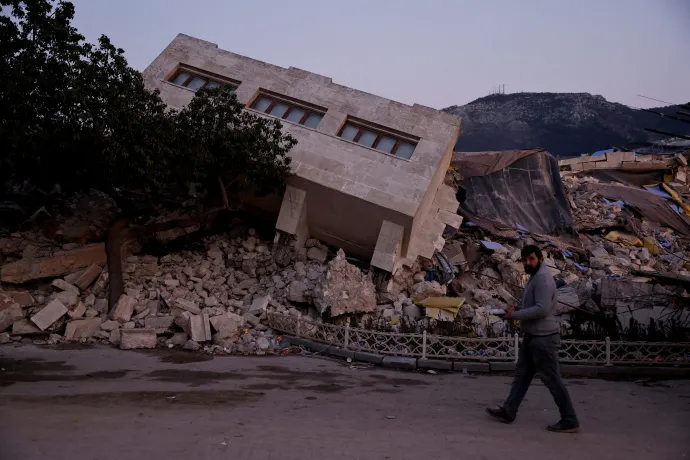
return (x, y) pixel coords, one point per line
(477, 349)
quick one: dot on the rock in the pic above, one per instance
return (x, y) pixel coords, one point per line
(211, 301)
(68, 298)
(251, 319)
(481, 295)
(5, 338)
(129, 325)
(161, 324)
(9, 314)
(153, 306)
(88, 276)
(248, 245)
(298, 292)
(141, 315)
(64, 286)
(178, 339)
(171, 282)
(138, 338)
(25, 327)
(191, 345)
(110, 325)
(317, 254)
(90, 300)
(124, 308)
(82, 328)
(259, 304)
(49, 314)
(413, 311)
(115, 337)
(62, 263)
(227, 326)
(21, 298)
(78, 311)
(426, 289)
(72, 277)
(187, 305)
(344, 289)
(418, 277)
(101, 305)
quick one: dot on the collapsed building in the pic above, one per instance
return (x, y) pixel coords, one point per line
(382, 227)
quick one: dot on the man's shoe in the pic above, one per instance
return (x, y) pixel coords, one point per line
(500, 413)
(564, 427)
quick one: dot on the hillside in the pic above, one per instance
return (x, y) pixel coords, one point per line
(563, 123)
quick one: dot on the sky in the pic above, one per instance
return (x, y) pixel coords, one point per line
(435, 52)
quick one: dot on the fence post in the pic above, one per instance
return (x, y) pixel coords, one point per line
(608, 351)
(424, 345)
(517, 346)
(347, 335)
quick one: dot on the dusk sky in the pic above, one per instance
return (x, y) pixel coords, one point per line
(437, 53)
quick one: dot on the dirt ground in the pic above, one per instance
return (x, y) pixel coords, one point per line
(102, 403)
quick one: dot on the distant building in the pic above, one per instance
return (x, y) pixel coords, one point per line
(369, 171)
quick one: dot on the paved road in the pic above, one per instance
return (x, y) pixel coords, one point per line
(101, 403)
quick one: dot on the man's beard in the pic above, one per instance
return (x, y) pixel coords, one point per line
(530, 270)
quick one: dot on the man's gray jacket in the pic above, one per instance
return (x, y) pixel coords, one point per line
(537, 315)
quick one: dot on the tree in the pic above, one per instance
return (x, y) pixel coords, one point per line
(76, 114)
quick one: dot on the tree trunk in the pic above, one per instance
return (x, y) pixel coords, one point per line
(115, 236)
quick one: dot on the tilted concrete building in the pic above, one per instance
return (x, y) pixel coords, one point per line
(368, 171)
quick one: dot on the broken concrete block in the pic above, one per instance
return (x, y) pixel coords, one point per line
(101, 305)
(5, 338)
(62, 263)
(259, 304)
(199, 328)
(161, 324)
(141, 315)
(100, 283)
(131, 339)
(184, 321)
(64, 286)
(227, 325)
(9, 315)
(72, 277)
(188, 305)
(124, 308)
(25, 327)
(179, 339)
(82, 328)
(88, 276)
(251, 319)
(298, 292)
(78, 311)
(317, 254)
(110, 325)
(68, 298)
(49, 314)
(21, 298)
(115, 336)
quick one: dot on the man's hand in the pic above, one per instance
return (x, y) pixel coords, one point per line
(509, 312)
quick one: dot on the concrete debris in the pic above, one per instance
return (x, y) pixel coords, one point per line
(60, 264)
(64, 286)
(344, 289)
(9, 314)
(88, 276)
(131, 339)
(25, 327)
(82, 328)
(124, 308)
(21, 298)
(49, 314)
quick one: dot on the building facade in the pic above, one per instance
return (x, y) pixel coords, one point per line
(368, 171)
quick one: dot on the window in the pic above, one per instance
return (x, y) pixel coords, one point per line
(298, 112)
(377, 139)
(195, 79)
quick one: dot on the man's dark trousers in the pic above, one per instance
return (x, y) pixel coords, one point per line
(540, 354)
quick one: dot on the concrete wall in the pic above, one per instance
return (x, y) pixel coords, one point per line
(370, 186)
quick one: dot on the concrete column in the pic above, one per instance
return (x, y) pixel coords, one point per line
(292, 218)
(388, 246)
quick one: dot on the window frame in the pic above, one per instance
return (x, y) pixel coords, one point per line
(381, 132)
(194, 73)
(291, 103)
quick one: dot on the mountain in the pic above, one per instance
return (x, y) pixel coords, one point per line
(563, 123)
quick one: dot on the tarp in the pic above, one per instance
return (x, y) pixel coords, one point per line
(470, 164)
(514, 188)
(648, 204)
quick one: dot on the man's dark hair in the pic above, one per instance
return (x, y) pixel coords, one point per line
(531, 249)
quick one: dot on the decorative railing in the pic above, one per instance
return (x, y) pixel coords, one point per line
(477, 349)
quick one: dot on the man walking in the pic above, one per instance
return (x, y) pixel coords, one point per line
(539, 349)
